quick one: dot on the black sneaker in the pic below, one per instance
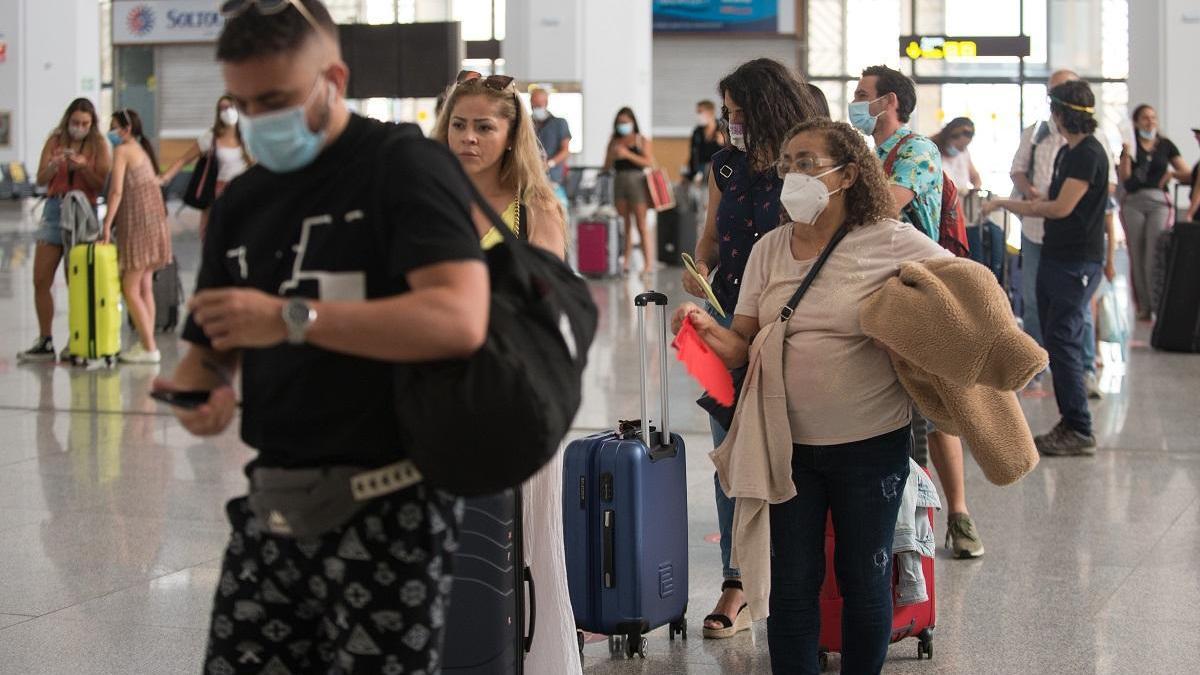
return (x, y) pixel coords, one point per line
(1063, 441)
(42, 351)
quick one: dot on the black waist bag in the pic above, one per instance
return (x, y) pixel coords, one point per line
(488, 423)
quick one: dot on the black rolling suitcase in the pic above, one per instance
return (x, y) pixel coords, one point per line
(492, 614)
(1177, 327)
(678, 227)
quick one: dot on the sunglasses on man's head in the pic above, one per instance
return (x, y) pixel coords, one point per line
(496, 82)
(233, 8)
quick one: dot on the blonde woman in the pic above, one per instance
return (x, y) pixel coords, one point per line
(486, 127)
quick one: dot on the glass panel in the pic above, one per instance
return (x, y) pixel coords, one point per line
(826, 38)
(476, 18)
(380, 11)
(136, 86)
(501, 17)
(343, 11)
(1114, 27)
(873, 37)
(835, 94)
(1114, 114)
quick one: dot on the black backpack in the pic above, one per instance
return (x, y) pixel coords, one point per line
(488, 423)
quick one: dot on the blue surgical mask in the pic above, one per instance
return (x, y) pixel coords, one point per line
(625, 128)
(114, 137)
(281, 141)
(952, 151)
(1147, 135)
(861, 117)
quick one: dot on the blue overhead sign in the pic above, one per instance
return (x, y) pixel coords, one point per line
(727, 16)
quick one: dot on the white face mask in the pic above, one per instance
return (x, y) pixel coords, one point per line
(805, 197)
(737, 136)
(229, 116)
(540, 114)
(78, 132)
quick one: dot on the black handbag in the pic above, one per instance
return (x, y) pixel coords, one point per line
(488, 423)
(724, 414)
(202, 186)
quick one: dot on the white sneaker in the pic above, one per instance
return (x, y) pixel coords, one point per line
(138, 355)
(1094, 391)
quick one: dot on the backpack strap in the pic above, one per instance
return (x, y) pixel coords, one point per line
(894, 154)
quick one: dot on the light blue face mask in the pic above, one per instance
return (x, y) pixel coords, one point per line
(114, 137)
(625, 128)
(861, 117)
(281, 141)
(952, 151)
(1147, 135)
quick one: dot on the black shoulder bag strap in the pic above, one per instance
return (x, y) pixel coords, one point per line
(790, 307)
(723, 414)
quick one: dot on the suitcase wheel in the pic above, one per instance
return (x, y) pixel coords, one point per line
(678, 627)
(925, 645)
(635, 644)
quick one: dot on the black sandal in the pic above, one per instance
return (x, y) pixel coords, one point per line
(730, 627)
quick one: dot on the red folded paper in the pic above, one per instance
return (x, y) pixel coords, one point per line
(703, 364)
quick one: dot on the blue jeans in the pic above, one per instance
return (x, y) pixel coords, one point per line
(1031, 258)
(50, 229)
(862, 484)
(724, 503)
(1065, 290)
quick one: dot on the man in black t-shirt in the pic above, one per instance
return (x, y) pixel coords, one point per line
(348, 249)
(1073, 254)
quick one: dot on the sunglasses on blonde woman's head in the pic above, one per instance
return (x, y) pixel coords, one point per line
(233, 8)
(494, 82)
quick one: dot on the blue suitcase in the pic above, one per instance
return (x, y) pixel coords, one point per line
(625, 522)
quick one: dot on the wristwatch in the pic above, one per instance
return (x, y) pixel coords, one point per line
(298, 315)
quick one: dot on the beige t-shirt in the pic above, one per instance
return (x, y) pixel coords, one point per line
(840, 387)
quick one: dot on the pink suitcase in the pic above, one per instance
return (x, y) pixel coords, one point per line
(598, 246)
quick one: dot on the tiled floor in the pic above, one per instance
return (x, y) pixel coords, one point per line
(111, 519)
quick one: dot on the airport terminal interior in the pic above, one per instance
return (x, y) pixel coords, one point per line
(113, 522)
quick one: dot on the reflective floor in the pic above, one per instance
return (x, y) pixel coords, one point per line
(111, 518)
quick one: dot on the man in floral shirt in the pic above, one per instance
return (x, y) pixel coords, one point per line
(883, 102)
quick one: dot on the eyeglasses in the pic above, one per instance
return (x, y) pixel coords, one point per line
(233, 8)
(801, 165)
(494, 82)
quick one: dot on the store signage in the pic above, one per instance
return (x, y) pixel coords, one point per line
(729, 16)
(947, 48)
(164, 21)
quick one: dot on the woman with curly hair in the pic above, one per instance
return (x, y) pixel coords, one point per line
(761, 100)
(847, 411)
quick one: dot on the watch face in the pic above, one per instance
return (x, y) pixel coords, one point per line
(297, 312)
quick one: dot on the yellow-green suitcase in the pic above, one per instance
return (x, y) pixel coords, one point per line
(94, 303)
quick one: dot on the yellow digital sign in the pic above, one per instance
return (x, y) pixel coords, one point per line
(950, 49)
(946, 48)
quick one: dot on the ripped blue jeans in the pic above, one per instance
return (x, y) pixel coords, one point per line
(862, 484)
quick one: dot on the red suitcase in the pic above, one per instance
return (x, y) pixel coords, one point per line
(917, 621)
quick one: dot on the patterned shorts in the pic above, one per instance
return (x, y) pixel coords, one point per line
(369, 597)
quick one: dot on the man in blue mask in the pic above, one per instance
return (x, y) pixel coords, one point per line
(346, 252)
(883, 104)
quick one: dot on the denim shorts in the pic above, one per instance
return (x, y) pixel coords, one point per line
(50, 229)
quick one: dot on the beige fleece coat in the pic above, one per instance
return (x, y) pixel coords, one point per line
(958, 353)
(961, 357)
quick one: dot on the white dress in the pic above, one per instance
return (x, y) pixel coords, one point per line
(555, 649)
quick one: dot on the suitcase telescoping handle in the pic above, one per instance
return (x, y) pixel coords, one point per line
(642, 301)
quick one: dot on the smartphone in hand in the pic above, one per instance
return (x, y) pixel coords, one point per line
(188, 400)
